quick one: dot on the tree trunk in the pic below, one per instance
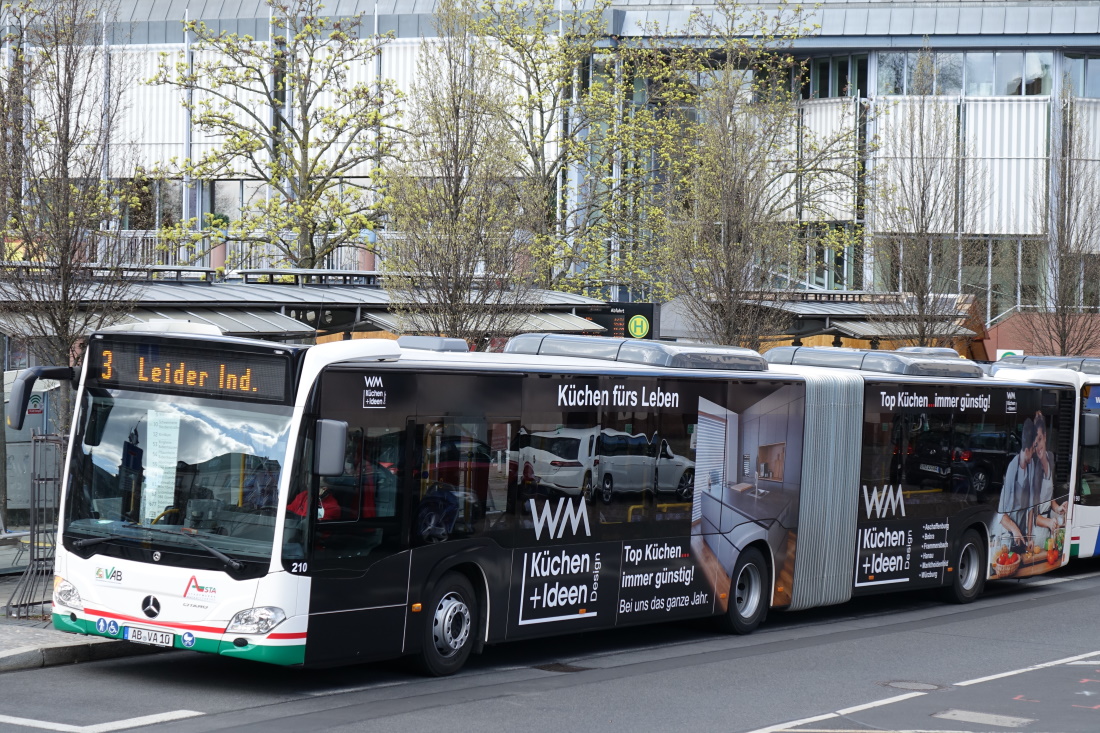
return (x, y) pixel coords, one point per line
(3, 441)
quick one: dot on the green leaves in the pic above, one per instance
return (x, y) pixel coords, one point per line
(300, 113)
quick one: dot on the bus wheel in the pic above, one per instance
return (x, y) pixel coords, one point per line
(607, 489)
(970, 566)
(748, 603)
(449, 633)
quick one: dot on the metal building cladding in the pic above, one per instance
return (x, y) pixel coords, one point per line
(1001, 64)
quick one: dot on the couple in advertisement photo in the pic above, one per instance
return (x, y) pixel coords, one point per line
(1028, 537)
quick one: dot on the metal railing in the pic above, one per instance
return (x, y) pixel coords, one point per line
(33, 592)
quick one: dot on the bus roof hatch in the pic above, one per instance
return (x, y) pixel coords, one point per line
(634, 351)
(873, 360)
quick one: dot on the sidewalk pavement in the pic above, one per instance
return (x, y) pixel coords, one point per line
(31, 643)
(28, 647)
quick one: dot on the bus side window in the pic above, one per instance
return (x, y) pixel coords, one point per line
(1088, 488)
(366, 526)
(347, 489)
(462, 487)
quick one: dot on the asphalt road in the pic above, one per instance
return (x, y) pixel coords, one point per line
(1024, 657)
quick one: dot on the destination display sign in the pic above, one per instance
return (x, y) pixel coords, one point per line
(181, 370)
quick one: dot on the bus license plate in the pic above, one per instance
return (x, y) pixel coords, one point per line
(149, 636)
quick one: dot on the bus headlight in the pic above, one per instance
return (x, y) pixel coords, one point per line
(256, 620)
(65, 594)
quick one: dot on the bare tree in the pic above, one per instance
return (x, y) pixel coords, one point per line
(592, 132)
(924, 202)
(460, 265)
(750, 178)
(65, 177)
(1064, 321)
(291, 115)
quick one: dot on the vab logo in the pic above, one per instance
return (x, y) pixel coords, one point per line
(108, 574)
(887, 502)
(199, 591)
(567, 514)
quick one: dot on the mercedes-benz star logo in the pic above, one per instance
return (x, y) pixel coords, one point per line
(150, 606)
(156, 557)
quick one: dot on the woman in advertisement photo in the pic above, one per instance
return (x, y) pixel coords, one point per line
(1016, 492)
(1031, 517)
(1049, 513)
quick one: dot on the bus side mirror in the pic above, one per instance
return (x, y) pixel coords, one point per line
(329, 444)
(1090, 429)
(23, 385)
(97, 417)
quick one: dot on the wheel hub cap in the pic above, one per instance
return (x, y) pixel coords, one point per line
(451, 624)
(747, 591)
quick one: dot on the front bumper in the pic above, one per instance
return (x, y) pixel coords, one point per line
(286, 649)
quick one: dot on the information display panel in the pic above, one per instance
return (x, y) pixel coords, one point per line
(183, 370)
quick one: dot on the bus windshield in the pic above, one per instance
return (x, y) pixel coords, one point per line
(167, 471)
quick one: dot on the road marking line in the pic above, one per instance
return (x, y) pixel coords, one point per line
(970, 716)
(100, 727)
(829, 716)
(949, 714)
(143, 720)
(28, 723)
(865, 730)
(361, 688)
(1032, 668)
(878, 703)
(787, 725)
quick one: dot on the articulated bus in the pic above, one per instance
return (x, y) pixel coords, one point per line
(1083, 374)
(372, 499)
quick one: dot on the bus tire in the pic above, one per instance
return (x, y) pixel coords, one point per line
(748, 597)
(451, 626)
(969, 578)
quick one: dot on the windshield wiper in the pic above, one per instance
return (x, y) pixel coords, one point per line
(230, 562)
(91, 541)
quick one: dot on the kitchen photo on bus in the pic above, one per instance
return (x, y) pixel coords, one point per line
(953, 450)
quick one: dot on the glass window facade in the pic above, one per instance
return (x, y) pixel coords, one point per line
(1092, 77)
(1009, 69)
(976, 74)
(984, 73)
(949, 73)
(837, 76)
(1038, 73)
(1073, 69)
(891, 73)
(979, 74)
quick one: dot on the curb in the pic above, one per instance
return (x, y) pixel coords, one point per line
(32, 657)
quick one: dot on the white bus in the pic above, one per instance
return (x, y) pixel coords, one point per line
(348, 501)
(1083, 374)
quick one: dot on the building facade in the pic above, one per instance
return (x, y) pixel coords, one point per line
(1007, 70)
